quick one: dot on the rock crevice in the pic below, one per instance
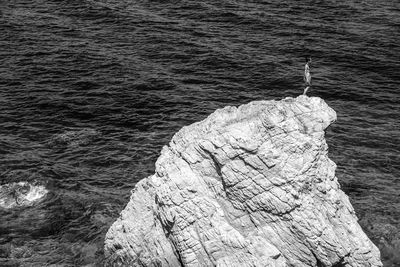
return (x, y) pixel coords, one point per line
(247, 186)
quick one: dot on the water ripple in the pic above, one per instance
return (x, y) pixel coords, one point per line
(90, 91)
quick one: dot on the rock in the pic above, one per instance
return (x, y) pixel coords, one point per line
(21, 194)
(247, 186)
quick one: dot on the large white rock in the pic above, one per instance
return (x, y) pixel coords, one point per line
(248, 186)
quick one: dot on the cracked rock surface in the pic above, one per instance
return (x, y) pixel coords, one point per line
(247, 186)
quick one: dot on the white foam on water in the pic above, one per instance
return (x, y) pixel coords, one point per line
(20, 194)
(36, 193)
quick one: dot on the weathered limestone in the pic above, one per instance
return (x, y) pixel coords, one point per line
(248, 186)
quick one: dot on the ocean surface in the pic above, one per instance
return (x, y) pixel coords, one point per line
(90, 91)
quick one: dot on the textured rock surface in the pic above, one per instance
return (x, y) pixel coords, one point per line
(248, 186)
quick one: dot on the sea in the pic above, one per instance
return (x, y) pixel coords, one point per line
(90, 91)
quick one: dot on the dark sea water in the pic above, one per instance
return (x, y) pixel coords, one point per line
(90, 91)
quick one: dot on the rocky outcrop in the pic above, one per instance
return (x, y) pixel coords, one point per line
(248, 186)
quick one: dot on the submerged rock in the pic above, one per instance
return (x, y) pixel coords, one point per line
(74, 138)
(21, 194)
(386, 235)
(247, 186)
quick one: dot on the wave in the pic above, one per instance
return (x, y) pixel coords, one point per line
(21, 194)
